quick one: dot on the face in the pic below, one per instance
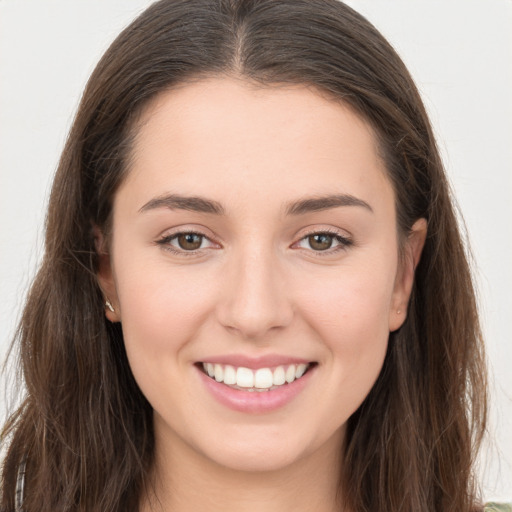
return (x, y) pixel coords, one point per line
(254, 265)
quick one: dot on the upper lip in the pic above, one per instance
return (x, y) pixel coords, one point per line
(265, 361)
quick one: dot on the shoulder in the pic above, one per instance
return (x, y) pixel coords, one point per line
(498, 507)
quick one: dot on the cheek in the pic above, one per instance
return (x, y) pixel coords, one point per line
(351, 300)
(354, 327)
(161, 310)
(349, 314)
(351, 321)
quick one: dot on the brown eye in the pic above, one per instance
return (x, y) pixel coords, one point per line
(320, 241)
(189, 241)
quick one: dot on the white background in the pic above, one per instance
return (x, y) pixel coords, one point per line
(460, 53)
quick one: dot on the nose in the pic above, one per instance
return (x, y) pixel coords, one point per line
(255, 298)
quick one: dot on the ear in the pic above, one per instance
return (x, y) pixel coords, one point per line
(105, 277)
(405, 274)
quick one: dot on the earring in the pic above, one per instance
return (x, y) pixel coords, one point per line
(398, 311)
(109, 306)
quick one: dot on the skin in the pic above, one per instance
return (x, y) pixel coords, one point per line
(256, 286)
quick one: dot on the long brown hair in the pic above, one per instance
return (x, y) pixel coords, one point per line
(84, 429)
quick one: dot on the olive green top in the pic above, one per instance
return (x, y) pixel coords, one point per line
(498, 507)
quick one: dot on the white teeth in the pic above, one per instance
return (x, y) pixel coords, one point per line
(279, 377)
(299, 372)
(262, 379)
(219, 373)
(290, 374)
(229, 375)
(244, 378)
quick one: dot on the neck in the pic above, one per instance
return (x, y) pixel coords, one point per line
(186, 481)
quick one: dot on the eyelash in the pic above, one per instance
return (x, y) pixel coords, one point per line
(165, 242)
(344, 242)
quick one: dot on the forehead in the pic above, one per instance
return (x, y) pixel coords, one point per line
(227, 137)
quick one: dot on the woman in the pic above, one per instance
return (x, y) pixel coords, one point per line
(254, 293)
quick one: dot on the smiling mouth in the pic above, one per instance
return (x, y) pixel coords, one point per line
(260, 380)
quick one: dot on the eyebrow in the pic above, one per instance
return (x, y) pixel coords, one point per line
(300, 207)
(191, 203)
(316, 204)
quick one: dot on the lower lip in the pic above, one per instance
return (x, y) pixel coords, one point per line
(256, 402)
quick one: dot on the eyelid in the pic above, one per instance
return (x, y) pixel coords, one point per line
(172, 234)
(197, 229)
(344, 240)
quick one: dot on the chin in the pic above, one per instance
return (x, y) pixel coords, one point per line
(255, 459)
(274, 450)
